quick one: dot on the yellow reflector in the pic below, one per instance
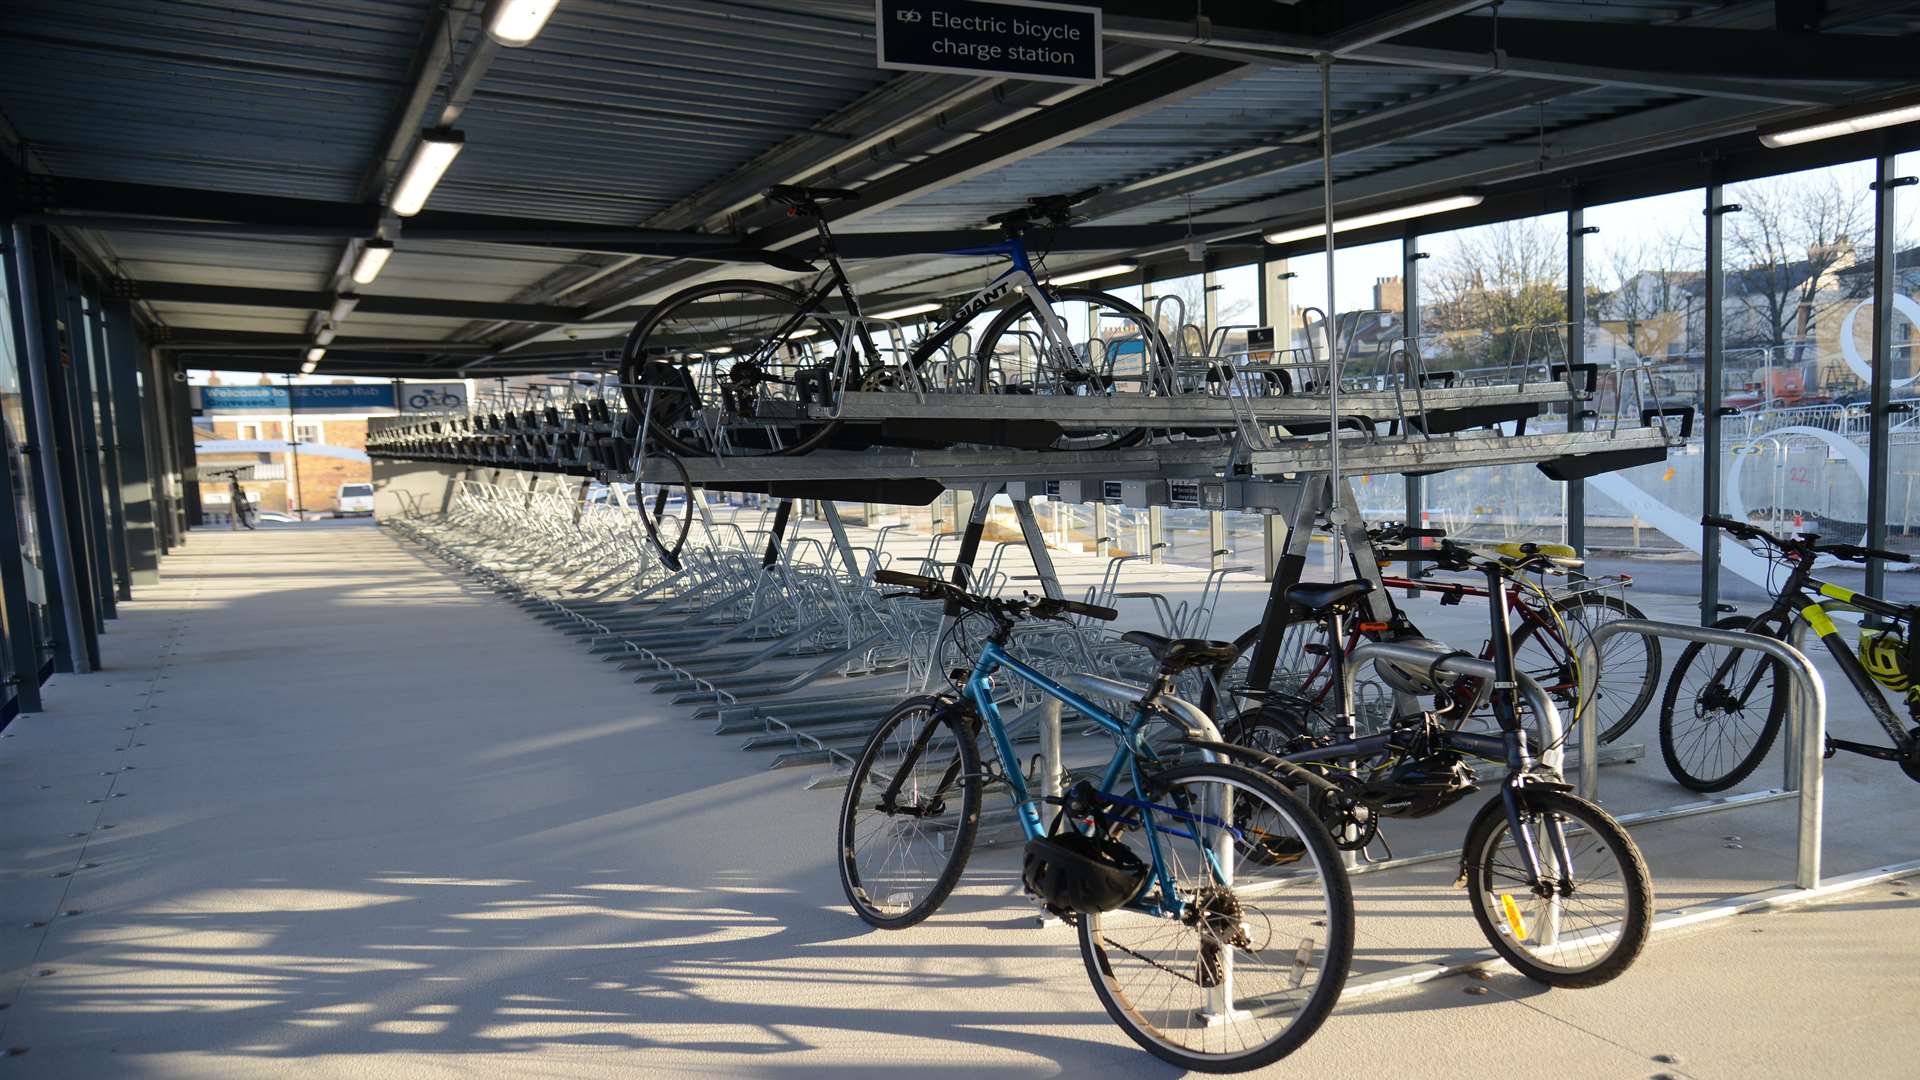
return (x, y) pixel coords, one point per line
(1514, 922)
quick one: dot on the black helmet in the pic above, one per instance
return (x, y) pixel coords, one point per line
(1072, 872)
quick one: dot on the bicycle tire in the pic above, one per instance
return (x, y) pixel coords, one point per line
(1022, 308)
(1335, 956)
(1679, 738)
(639, 369)
(964, 826)
(676, 539)
(1483, 867)
(1614, 723)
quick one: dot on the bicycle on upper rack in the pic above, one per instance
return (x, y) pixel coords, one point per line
(1555, 883)
(1724, 707)
(1214, 915)
(1550, 626)
(740, 368)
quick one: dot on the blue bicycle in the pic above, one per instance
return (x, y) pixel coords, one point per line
(741, 368)
(1214, 914)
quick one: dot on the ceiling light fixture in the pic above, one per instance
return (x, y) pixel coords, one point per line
(1849, 125)
(313, 360)
(343, 306)
(324, 337)
(903, 312)
(431, 155)
(1074, 277)
(803, 332)
(514, 23)
(373, 259)
(1378, 217)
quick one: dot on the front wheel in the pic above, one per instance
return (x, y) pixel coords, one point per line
(1597, 907)
(1242, 961)
(1117, 350)
(910, 814)
(1722, 711)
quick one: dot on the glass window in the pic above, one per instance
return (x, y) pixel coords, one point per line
(13, 432)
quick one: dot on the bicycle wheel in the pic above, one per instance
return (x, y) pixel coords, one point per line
(1117, 350)
(733, 366)
(1721, 713)
(1629, 663)
(1258, 956)
(899, 861)
(667, 528)
(1598, 916)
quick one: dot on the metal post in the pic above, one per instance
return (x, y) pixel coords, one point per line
(1576, 355)
(1333, 311)
(1273, 537)
(1285, 574)
(1037, 551)
(97, 480)
(1156, 533)
(1710, 500)
(1416, 486)
(80, 464)
(65, 615)
(296, 504)
(137, 481)
(106, 384)
(23, 643)
(1217, 539)
(839, 530)
(1880, 391)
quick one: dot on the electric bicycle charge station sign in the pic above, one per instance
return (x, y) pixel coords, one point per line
(1019, 39)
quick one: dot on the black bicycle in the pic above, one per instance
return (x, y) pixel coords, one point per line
(747, 368)
(1558, 887)
(1724, 706)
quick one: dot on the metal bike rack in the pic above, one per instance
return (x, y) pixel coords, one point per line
(1806, 733)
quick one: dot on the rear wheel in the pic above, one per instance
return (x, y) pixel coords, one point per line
(730, 367)
(1629, 663)
(1256, 957)
(1598, 910)
(1722, 710)
(1117, 351)
(901, 857)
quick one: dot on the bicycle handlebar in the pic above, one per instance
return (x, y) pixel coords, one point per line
(1849, 552)
(1042, 608)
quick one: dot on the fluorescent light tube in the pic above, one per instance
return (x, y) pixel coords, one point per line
(1075, 277)
(903, 312)
(431, 155)
(1828, 129)
(1378, 217)
(324, 337)
(514, 23)
(803, 332)
(373, 259)
(343, 306)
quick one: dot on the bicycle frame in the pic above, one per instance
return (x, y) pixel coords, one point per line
(1798, 600)
(1126, 759)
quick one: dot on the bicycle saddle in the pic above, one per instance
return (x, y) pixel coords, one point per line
(797, 196)
(1179, 654)
(1317, 597)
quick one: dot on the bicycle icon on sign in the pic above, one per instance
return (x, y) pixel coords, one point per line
(435, 398)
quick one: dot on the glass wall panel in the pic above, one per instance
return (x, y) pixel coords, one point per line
(1493, 307)
(1646, 327)
(13, 430)
(1903, 451)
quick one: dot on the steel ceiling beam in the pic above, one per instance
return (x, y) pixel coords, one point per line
(173, 292)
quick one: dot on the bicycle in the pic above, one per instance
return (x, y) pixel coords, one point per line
(1545, 644)
(738, 367)
(1556, 885)
(1718, 740)
(1214, 917)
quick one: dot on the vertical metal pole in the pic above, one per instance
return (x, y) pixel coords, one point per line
(87, 461)
(104, 386)
(840, 541)
(1710, 499)
(1285, 574)
(23, 643)
(296, 503)
(1273, 535)
(1216, 539)
(1880, 391)
(65, 616)
(1333, 312)
(1576, 355)
(1416, 486)
(1156, 533)
(138, 483)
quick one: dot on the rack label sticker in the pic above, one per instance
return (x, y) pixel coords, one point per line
(1021, 39)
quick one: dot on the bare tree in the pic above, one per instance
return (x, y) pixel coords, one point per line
(1492, 281)
(1784, 246)
(1644, 285)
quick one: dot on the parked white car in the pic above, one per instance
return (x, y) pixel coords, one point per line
(356, 500)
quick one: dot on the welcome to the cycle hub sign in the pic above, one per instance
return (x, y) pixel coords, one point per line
(1014, 38)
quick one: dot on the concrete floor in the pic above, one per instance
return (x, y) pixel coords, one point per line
(331, 810)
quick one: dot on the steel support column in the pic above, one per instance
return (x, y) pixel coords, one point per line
(89, 476)
(1710, 498)
(1886, 246)
(103, 387)
(23, 640)
(1576, 490)
(67, 619)
(1416, 486)
(138, 488)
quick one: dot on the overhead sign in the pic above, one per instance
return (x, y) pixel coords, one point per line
(357, 397)
(1014, 38)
